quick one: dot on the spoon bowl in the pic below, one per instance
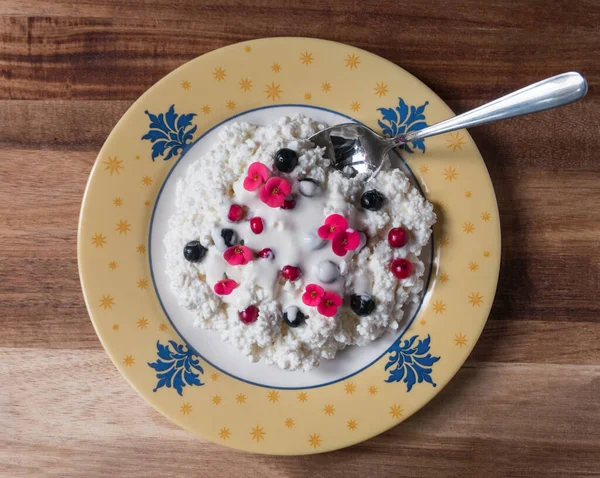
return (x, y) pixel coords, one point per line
(352, 145)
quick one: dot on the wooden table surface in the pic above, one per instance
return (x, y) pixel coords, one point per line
(526, 403)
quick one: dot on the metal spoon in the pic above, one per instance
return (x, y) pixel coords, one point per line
(352, 144)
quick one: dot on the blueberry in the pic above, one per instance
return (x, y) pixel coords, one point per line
(224, 238)
(308, 187)
(372, 200)
(362, 304)
(293, 316)
(194, 251)
(229, 237)
(313, 241)
(286, 160)
(362, 243)
(328, 272)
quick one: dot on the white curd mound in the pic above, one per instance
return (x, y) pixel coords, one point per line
(214, 182)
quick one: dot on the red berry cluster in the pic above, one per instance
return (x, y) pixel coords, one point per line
(401, 268)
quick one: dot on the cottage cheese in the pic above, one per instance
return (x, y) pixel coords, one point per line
(203, 199)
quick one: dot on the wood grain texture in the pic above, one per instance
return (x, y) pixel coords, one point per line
(510, 422)
(525, 403)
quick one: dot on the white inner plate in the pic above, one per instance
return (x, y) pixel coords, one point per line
(208, 344)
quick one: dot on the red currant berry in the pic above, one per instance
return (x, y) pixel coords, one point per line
(398, 237)
(236, 212)
(249, 314)
(256, 224)
(291, 273)
(289, 203)
(401, 268)
(266, 254)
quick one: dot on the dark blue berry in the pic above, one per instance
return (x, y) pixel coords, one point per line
(286, 160)
(229, 237)
(293, 316)
(194, 251)
(362, 304)
(372, 200)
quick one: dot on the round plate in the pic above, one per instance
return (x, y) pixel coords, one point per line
(207, 386)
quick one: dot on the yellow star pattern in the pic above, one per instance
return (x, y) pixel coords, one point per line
(219, 74)
(224, 433)
(106, 302)
(206, 109)
(230, 105)
(381, 89)
(444, 241)
(247, 48)
(245, 84)
(118, 202)
(444, 277)
(352, 425)
(485, 216)
(147, 181)
(98, 240)
(116, 327)
(185, 408)
(288, 423)
(142, 323)
(272, 91)
(372, 390)
(217, 400)
(468, 227)
(306, 58)
(329, 410)
(450, 174)
(123, 227)
(302, 397)
(473, 266)
(142, 284)
(113, 165)
(214, 376)
(140, 248)
(396, 411)
(186, 85)
(307, 96)
(137, 157)
(258, 433)
(422, 321)
(352, 61)
(350, 388)
(314, 440)
(475, 299)
(355, 106)
(275, 67)
(460, 340)
(456, 141)
(163, 327)
(273, 396)
(240, 398)
(146, 203)
(468, 194)
(487, 253)
(128, 361)
(326, 87)
(439, 307)
(423, 169)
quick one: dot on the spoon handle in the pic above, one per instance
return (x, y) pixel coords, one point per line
(546, 94)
